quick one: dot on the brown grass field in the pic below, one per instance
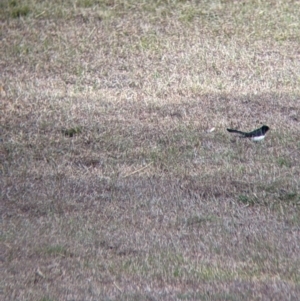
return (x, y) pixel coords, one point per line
(113, 185)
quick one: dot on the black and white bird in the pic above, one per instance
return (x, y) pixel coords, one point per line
(255, 135)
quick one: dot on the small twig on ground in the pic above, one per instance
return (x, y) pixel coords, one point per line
(138, 170)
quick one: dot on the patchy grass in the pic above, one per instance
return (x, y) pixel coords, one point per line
(118, 177)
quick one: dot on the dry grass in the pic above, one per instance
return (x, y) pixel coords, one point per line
(112, 185)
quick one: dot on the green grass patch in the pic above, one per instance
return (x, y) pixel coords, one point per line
(55, 250)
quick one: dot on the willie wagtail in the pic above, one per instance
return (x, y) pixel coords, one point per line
(255, 135)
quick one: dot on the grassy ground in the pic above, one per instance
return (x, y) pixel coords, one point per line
(113, 185)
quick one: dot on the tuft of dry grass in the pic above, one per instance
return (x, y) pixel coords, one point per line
(113, 185)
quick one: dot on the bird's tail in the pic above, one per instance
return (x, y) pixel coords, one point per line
(236, 131)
